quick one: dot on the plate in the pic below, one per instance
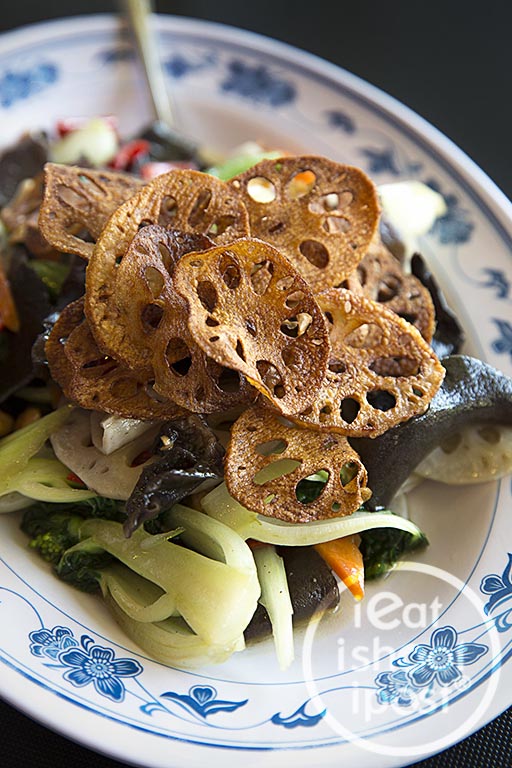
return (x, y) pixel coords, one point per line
(425, 659)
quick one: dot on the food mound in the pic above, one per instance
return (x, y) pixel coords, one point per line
(209, 297)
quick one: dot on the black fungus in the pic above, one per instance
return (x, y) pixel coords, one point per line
(381, 548)
(472, 393)
(189, 454)
(23, 160)
(448, 336)
(312, 587)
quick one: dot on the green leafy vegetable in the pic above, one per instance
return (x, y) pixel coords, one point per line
(383, 547)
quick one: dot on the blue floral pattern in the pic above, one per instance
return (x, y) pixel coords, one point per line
(340, 120)
(503, 345)
(258, 83)
(453, 227)
(98, 665)
(440, 661)
(202, 700)
(381, 160)
(500, 590)
(16, 85)
(179, 65)
(298, 718)
(428, 665)
(395, 686)
(50, 642)
(498, 281)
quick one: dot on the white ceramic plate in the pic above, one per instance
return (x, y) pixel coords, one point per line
(425, 659)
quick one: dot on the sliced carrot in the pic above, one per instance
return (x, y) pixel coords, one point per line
(8, 315)
(345, 559)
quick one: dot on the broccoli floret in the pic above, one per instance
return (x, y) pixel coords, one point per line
(50, 534)
(382, 547)
(54, 532)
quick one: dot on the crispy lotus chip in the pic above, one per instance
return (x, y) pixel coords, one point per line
(380, 277)
(381, 371)
(94, 380)
(251, 311)
(186, 200)
(78, 202)
(269, 462)
(154, 318)
(320, 214)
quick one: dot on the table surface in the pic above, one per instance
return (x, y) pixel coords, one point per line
(451, 63)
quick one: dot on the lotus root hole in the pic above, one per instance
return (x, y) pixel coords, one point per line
(261, 190)
(154, 280)
(239, 349)
(230, 272)
(165, 255)
(297, 325)
(261, 276)
(310, 488)
(365, 336)
(294, 299)
(199, 208)
(395, 366)
(301, 184)
(229, 381)
(451, 443)
(490, 434)
(332, 201)
(388, 288)
(145, 223)
(316, 253)
(337, 366)
(124, 388)
(72, 197)
(149, 389)
(207, 294)
(336, 224)
(168, 211)
(349, 409)
(151, 317)
(178, 356)
(211, 322)
(348, 472)
(251, 327)
(271, 447)
(381, 399)
(274, 470)
(285, 283)
(220, 226)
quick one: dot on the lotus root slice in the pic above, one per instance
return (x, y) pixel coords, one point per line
(155, 328)
(268, 460)
(77, 203)
(183, 200)
(380, 277)
(381, 371)
(251, 311)
(320, 214)
(96, 381)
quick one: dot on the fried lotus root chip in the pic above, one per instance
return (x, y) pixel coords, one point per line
(78, 202)
(381, 371)
(183, 200)
(320, 214)
(251, 311)
(94, 380)
(269, 462)
(155, 331)
(380, 277)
